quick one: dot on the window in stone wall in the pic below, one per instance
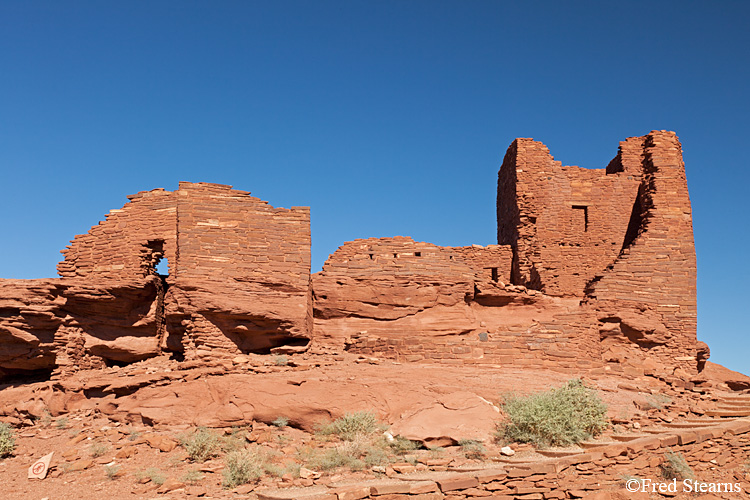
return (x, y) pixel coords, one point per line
(493, 273)
(580, 218)
(162, 267)
(153, 258)
(417, 254)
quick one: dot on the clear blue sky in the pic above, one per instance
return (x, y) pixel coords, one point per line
(387, 118)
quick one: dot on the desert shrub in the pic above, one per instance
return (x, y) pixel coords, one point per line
(362, 444)
(676, 467)
(280, 360)
(202, 444)
(62, 423)
(153, 474)
(7, 440)
(233, 442)
(293, 469)
(281, 422)
(400, 445)
(242, 467)
(98, 449)
(191, 476)
(352, 425)
(354, 455)
(472, 448)
(279, 470)
(559, 417)
(46, 418)
(111, 472)
(375, 455)
(344, 455)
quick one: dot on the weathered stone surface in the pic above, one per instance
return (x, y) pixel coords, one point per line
(450, 419)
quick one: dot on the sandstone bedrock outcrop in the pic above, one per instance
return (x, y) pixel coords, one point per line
(594, 269)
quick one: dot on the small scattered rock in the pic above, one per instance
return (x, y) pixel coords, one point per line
(170, 485)
(195, 491)
(305, 473)
(81, 464)
(244, 489)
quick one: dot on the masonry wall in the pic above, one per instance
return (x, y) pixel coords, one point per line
(620, 238)
(244, 267)
(656, 271)
(239, 269)
(414, 301)
(717, 454)
(117, 248)
(489, 263)
(565, 224)
(562, 340)
(225, 233)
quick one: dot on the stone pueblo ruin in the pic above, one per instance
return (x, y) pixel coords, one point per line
(119, 370)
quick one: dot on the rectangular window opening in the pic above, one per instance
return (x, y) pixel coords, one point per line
(581, 213)
(493, 272)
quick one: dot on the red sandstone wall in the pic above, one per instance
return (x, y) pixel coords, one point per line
(239, 269)
(566, 223)
(415, 301)
(622, 236)
(389, 278)
(656, 274)
(490, 263)
(117, 247)
(243, 272)
(227, 234)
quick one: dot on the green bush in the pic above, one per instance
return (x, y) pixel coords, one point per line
(676, 467)
(348, 454)
(98, 449)
(376, 455)
(280, 360)
(242, 467)
(400, 445)
(559, 417)
(7, 440)
(353, 425)
(202, 444)
(153, 474)
(472, 448)
(191, 476)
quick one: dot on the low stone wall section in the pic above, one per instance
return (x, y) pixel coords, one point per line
(717, 454)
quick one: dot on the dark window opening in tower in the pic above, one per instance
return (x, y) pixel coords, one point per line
(581, 217)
